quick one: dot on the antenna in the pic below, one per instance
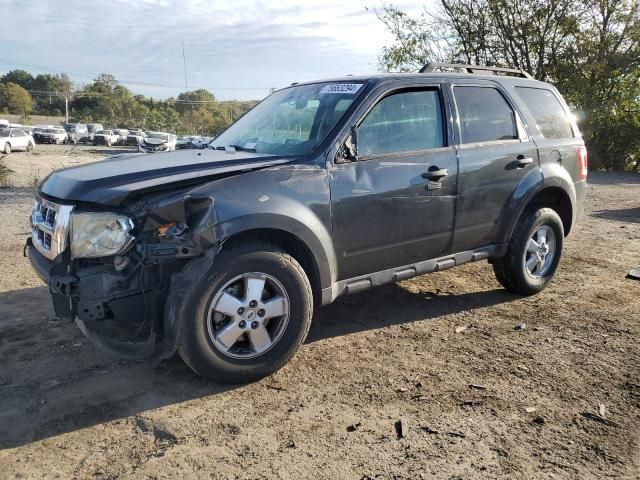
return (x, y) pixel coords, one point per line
(184, 62)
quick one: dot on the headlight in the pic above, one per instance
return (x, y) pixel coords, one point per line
(99, 234)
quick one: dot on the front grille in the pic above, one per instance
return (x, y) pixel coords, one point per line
(50, 227)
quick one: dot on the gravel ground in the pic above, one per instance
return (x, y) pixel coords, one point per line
(485, 402)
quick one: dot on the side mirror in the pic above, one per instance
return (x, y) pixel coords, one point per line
(349, 151)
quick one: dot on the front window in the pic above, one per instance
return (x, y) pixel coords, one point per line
(293, 121)
(70, 128)
(159, 136)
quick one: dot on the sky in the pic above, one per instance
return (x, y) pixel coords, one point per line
(236, 49)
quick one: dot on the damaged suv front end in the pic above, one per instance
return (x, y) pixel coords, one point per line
(111, 270)
(119, 263)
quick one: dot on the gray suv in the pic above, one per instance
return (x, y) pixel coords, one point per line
(323, 189)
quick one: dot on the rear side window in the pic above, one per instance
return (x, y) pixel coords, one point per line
(402, 122)
(485, 115)
(545, 107)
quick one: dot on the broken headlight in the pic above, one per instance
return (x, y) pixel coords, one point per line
(99, 234)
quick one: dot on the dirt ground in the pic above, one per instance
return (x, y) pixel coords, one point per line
(465, 398)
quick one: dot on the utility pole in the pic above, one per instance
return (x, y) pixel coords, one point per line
(66, 108)
(184, 63)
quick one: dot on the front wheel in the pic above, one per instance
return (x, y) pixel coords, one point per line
(29, 147)
(247, 316)
(7, 148)
(533, 253)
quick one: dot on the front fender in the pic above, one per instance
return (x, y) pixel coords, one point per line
(304, 226)
(548, 175)
(290, 198)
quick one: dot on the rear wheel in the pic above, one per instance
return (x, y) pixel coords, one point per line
(248, 316)
(533, 254)
(7, 148)
(29, 147)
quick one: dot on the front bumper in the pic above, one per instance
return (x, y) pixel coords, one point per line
(117, 312)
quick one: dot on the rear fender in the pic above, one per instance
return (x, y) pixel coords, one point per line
(548, 175)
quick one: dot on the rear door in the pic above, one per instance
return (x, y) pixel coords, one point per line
(495, 154)
(395, 205)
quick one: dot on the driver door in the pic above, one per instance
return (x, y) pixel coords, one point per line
(395, 205)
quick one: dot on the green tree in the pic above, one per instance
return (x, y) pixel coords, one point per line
(15, 99)
(19, 77)
(589, 48)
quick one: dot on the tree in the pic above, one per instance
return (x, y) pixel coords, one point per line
(589, 48)
(15, 99)
(19, 77)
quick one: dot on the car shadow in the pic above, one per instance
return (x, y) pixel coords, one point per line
(630, 215)
(53, 381)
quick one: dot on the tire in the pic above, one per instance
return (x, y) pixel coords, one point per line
(512, 271)
(200, 331)
(7, 148)
(29, 147)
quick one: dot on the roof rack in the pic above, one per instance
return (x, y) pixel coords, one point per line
(431, 67)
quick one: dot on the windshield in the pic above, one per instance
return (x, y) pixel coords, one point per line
(50, 130)
(292, 121)
(160, 136)
(70, 128)
(103, 132)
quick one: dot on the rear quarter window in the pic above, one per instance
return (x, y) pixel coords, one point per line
(551, 119)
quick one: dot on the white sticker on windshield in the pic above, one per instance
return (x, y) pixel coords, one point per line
(348, 88)
(251, 145)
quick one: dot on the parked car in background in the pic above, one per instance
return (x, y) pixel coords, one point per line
(183, 143)
(37, 131)
(53, 135)
(122, 134)
(76, 132)
(92, 128)
(202, 142)
(135, 136)
(28, 129)
(12, 139)
(4, 123)
(105, 137)
(158, 142)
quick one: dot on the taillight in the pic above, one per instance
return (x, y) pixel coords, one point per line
(582, 162)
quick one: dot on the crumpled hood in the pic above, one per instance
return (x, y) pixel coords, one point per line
(111, 180)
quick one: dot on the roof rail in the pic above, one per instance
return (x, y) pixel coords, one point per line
(431, 67)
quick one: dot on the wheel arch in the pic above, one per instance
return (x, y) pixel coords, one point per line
(551, 187)
(288, 242)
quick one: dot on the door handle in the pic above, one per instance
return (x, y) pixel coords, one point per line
(435, 174)
(523, 161)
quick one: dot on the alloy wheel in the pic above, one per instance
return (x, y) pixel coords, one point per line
(248, 315)
(541, 251)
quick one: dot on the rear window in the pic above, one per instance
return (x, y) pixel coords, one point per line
(485, 115)
(551, 119)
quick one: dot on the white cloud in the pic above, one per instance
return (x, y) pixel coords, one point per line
(237, 49)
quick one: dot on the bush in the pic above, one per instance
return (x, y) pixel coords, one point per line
(5, 174)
